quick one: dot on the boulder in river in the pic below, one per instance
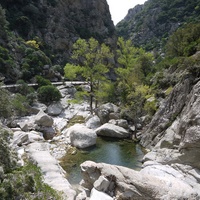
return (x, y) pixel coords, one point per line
(42, 119)
(81, 136)
(111, 130)
(93, 122)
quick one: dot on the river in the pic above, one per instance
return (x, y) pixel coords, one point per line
(108, 150)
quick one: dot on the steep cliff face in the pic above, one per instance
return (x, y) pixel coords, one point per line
(58, 23)
(150, 25)
(173, 134)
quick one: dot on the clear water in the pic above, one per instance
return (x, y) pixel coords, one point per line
(117, 152)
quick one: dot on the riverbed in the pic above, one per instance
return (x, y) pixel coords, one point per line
(108, 150)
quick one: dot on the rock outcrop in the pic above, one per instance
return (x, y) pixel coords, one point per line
(174, 134)
(57, 24)
(171, 170)
(155, 181)
(107, 112)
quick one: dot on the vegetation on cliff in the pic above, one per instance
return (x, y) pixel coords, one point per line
(151, 24)
(32, 51)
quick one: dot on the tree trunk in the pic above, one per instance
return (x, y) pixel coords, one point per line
(91, 97)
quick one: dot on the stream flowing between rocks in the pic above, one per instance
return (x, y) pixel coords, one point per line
(108, 150)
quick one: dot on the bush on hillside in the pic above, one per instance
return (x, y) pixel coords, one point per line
(5, 103)
(42, 81)
(49, 93)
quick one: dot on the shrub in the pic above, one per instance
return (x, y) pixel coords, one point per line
(5, 105)
(8, 157)
(49, 93)
(33, 44)
(42, 81)
(23, 88)
(26, 183)
(150, 107)
(31, 98)
(20, 104)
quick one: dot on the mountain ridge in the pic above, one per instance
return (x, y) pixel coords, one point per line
(151, 24)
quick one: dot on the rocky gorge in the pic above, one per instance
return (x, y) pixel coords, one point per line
(170, 168)
(44, 137)
(36, 38)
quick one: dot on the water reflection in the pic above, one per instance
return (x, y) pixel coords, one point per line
(107, 150)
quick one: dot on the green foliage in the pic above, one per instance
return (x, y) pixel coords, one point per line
(42, 81)
(17, 104)
(33, 62)
(107, 92)
(8, 157)
(185, 41)
(49, 93)
(161, 18)
(23, 25)
(20, 104)
(33, 44)
(71, 71)
(23, 88)
(3, 24)
(5, 103)
(150, 107)
(135, 63)
(6, 61)
(134, 66)
(31, 98)
(26, 183)
(92, 64)
(168, 91)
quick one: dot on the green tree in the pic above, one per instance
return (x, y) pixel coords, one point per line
(135, 65)
(92, 63)
(48, 93)
(3, 24)
(184, 42)
(42, 81)
(5, 103)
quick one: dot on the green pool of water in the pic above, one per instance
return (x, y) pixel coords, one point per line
(117, 152)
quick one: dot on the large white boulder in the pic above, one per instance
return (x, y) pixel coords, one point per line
(111, 130)
(55, 109)
(21, 137)
(81, 136)
(42, 119)
(93, 122)
(98, 195)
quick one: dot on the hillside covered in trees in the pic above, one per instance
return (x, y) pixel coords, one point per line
(151, 24)
(148, 66)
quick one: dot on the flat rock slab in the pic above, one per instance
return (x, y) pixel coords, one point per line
(52, 172)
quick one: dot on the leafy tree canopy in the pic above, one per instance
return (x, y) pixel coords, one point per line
(135, 65)
(185, 41)
(92, 63)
